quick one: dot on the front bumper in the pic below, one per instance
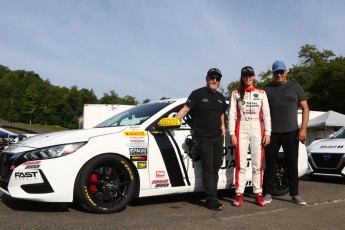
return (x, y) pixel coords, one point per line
(327, 164)
(43, 180)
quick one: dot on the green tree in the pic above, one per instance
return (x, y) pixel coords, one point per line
(110, 98)
(129, 100)
(146, 101)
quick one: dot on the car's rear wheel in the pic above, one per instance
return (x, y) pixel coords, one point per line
(281, 185)
(105, 184)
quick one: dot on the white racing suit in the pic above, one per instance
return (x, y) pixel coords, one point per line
(249, 120)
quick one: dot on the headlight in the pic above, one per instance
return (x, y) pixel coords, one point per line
(53, 151)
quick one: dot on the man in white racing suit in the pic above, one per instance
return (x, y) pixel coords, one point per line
(249, 125)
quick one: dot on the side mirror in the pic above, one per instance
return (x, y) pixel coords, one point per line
(168, 123)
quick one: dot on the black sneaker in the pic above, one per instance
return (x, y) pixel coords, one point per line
(214, 205)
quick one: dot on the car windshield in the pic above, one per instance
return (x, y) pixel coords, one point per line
(339, 134)
(134, 116)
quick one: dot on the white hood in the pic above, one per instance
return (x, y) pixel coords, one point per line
(64, 137)
(328, 145)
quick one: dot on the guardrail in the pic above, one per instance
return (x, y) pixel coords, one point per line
(22, 126)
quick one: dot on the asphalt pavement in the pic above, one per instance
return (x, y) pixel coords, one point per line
(325, 209)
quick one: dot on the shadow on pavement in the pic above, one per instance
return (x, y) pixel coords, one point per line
(32, 206)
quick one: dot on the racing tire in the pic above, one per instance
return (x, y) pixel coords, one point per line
(105, 184)
(281, 184)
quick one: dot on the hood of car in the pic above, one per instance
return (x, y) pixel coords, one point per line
(65, 137)
(328, 145)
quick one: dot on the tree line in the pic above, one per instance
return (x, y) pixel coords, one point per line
(26, 97)
(321, 74)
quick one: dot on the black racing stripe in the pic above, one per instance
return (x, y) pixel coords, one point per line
(181, 158)
(170, 160)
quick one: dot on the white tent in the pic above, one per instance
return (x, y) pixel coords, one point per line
(324, 125)
(328, 119)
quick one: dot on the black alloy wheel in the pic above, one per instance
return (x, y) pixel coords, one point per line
(106, 184)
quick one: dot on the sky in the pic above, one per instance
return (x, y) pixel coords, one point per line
(151, 49)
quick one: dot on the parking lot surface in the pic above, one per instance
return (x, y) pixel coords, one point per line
(325, 209)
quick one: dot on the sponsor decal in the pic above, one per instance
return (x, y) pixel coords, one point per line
(331, 146)
(139, 158)
(25, 175)
(162, 185)
(32, 163)
(137, 140)
(137, 145)
(160, 181)
(142, 165)
(137, 151)
(135, 133)
(160, 174)
(256, 95)
(32, 166)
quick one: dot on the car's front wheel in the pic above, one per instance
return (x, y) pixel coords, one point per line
(105, 184)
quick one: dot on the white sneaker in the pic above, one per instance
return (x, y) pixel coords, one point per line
(267, 198)
(298, 200)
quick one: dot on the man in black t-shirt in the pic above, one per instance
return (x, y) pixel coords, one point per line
(284, 98)
(207, 108)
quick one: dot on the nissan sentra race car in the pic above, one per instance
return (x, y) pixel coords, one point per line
(140, 152)
(326, 157)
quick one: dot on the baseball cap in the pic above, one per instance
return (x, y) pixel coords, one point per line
(247, 71)
(278, 65)
(214, 71)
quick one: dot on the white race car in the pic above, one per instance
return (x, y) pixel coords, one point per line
(326, 157)
(134, 154)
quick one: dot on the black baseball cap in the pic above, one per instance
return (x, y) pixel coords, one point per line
(247, 71)
(214, 71)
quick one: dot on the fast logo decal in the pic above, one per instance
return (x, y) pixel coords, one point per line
(25, 175)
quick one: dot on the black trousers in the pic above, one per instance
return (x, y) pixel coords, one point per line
(211, 155)
(290, 145)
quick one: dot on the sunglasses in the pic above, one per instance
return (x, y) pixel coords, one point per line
(246, 75)
(281, 72)
(212, 78)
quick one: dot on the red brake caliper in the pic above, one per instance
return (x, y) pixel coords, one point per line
(93, 179)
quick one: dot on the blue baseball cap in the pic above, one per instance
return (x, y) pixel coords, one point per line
(278, 65)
